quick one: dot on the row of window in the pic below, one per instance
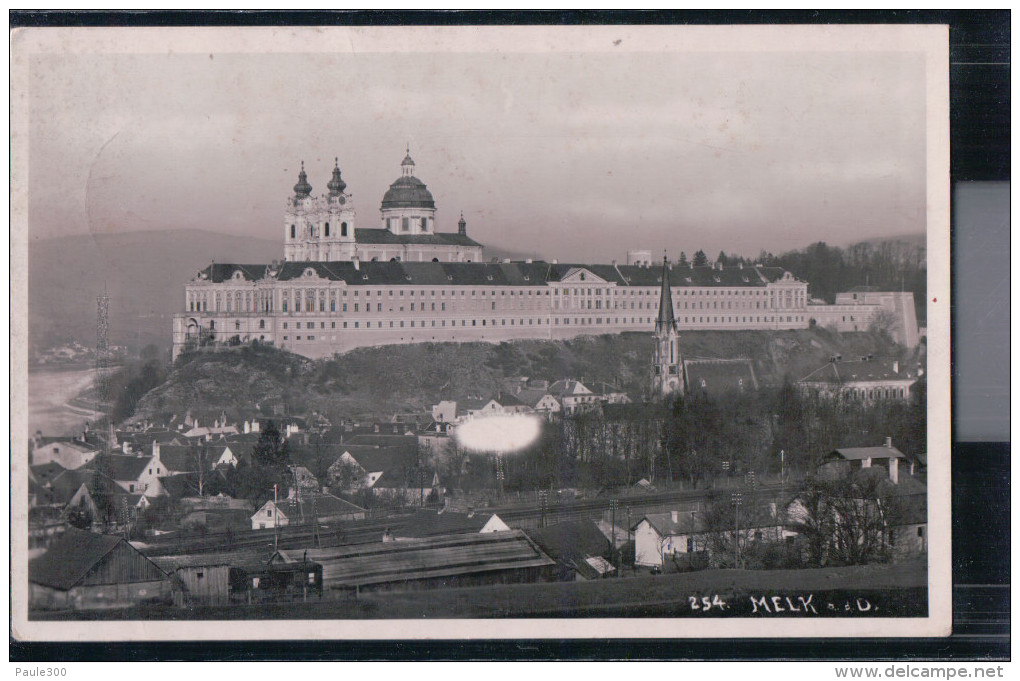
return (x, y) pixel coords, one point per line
(326, 232)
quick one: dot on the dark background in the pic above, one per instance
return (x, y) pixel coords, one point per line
(980, 153)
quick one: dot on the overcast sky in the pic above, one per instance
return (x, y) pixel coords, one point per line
(572, 156)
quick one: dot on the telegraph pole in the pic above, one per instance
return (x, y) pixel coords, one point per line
(613, 503)
(276, 521)
(736, 498)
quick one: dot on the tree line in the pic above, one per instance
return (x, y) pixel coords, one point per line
(887, 266)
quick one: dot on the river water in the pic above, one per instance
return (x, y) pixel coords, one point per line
(49, 394)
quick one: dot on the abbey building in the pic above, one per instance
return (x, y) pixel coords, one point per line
(341, 286)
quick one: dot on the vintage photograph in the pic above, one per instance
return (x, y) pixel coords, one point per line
(468, 331)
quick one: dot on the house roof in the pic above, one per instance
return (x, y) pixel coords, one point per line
(571, 541)
(860, 453)
(404, 442)
(687, 522)
(46, 472)
(66, 441)
(432, 523)
(316, 506)
(862, 370)
(568, 387)
(120, 466)
(720, 376)
(531, 396)
(430, 558)
(71, 557)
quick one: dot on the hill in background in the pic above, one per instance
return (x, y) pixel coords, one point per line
(396, 378)
(143, 273)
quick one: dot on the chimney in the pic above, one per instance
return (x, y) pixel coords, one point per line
(888, 443)
(896, 366)
(356, 263)
(894, 470)
(675, 516)
(155, 448)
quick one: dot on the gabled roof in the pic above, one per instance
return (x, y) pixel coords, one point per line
(567, 388)
(46, 472)
(720, 376)
(121, 467)
(316, 506)
(74, 443)
(432, 523)
(571, 541)
(687, 522)
(71, 558)
(861, 370)
(531, 396)
(860, 453)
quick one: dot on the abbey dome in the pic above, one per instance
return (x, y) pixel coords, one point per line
(408, 192)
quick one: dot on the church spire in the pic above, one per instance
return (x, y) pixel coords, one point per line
(302, 188)
(336, 185)
(665, 321)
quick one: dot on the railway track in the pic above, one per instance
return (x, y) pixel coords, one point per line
(371, 530)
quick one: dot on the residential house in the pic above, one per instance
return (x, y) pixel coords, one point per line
(305, 508)
(842, 462)
(139, 474)
(658, 536)
(82, 570)
(69, 453)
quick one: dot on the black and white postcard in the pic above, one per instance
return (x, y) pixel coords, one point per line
(480, 332)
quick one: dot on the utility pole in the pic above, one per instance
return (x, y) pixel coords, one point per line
(613, 503)
(543, 498)
(276, 521)
(736, 498)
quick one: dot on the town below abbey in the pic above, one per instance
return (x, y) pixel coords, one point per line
(385, 411)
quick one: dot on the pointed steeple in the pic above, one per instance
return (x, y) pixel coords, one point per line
(336, 185)
(302, 188)
(462, 225)
(665, 322)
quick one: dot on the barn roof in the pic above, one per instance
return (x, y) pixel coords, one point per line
(417, 559)
(571, 541)
(71, 558)
(432, 523)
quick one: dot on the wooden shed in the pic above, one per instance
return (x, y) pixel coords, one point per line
(205, 578)
(83, 570)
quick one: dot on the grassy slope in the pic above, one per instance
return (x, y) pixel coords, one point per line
(410, 377)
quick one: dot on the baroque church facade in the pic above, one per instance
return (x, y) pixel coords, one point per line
(341, 286)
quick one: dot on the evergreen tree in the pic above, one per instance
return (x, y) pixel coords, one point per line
(682, 262)
(700, 259)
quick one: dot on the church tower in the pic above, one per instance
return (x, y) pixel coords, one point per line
(667, 366)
